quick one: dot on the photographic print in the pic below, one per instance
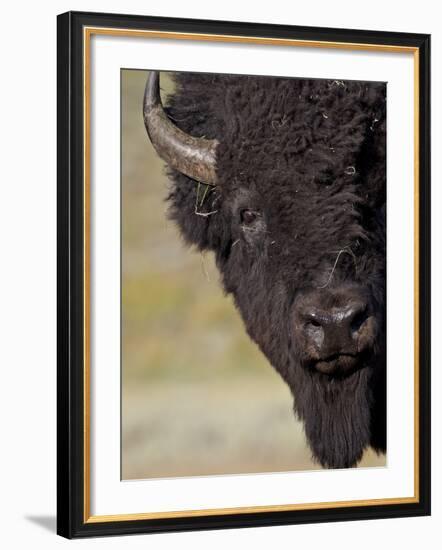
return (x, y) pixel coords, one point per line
(243, 274)
(253, 274)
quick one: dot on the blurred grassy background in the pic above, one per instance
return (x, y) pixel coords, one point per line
(198, 398)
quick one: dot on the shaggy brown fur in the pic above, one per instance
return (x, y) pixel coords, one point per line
(308, 158)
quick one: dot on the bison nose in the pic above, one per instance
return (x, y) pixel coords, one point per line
(337, 330)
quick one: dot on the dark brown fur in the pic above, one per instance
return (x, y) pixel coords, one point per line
(309, 156)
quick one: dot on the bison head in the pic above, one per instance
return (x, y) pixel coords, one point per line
(284, 180)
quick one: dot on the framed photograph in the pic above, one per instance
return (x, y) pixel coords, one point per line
(243, 274)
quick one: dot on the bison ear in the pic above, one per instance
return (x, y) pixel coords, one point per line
(198, 211)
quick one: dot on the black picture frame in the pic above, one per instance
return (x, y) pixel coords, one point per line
(71, 507)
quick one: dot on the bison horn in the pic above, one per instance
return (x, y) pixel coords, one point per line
(194, 157)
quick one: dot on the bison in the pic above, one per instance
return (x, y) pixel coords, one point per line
(284, 180)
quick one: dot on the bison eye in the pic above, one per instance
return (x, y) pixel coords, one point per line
(248, 216)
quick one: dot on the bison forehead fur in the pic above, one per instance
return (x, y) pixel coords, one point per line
(307, 159)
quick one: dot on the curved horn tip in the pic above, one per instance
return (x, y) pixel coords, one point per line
(152, 91)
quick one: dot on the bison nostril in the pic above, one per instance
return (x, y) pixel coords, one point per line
(311, 317)
(314, 331)
(358, 320)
